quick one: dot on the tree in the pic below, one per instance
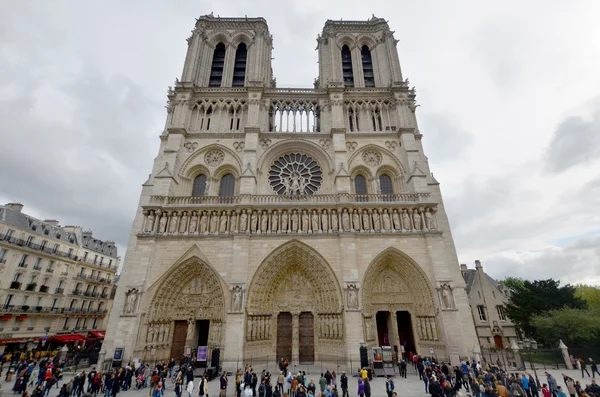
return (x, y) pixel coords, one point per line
(539, 297)
(576, 327)
(590, 294)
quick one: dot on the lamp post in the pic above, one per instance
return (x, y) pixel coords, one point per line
(530, 345)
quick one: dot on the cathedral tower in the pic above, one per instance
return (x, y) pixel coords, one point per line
(295, 223)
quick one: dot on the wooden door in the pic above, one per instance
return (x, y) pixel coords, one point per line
(284, 336)
(498, 341)
(179, 335)
(306, 332)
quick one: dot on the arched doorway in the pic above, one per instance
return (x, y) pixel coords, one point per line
(398, 305)
(294, 307)
(187, 311)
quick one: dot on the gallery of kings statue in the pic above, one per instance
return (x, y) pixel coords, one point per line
(290, 223)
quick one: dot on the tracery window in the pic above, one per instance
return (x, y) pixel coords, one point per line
(199, 188)
(227, 186)
(347, 67)
(295, 173)
(367, 65)
(385, 184)
(218, 63)
(360, 187)
(239, 68)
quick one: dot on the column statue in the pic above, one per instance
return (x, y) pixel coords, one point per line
(275, 221)
(396, 219)
(387, 225)
(334, 220)
(214, 222)
(315, 222)
(294, 221)
(203, 222)
(429, 219)
(417, 220)
(150, 223)
(173, 222)
(243, 221)
(284, 222)
(324, 221)
(223, 222)
(345, 220)
(254, 222)
(193, 223)
(183, 223)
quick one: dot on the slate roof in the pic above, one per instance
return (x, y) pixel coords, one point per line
(470, 276)
(35, 226)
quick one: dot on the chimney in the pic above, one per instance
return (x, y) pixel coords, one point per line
(478, 265)
(52, 222)
(15, 206)
(463, 268)
(87, 233)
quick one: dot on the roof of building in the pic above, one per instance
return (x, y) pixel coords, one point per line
(470, 275)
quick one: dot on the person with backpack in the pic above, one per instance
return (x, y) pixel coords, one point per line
(389, 386)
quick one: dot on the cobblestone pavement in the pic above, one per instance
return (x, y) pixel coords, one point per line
(409, 387)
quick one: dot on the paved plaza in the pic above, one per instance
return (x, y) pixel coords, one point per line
(409, 387)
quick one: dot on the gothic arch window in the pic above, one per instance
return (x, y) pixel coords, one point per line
(199, 188)
(367, 65)
(360, 188)
(239, 69)
(218, 63)
(353, 119)
(385, 184)
(347, 67)
(227, 186)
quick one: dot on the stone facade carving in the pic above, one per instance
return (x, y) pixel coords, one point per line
(351, 145)
(352, 297)
(131, 301)
(237, 297)
(447, 296)
(214, 157)
(391, 145)
(427, 328)
(330, 326)
(239, 146)
(371, 158)
(259, 328)
(191, 146)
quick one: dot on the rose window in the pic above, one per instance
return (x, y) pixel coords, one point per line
(295, 173)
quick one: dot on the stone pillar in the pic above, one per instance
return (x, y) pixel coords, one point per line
(519, 363)
(565, 353)
(395, 332)
(295, 338)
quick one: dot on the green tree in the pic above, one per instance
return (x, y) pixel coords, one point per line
(576, 327)
(590, 294)
(539, 297)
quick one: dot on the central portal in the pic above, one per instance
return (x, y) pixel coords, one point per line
(306, 330)
(284, 336)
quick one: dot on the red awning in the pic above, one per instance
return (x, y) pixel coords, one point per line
(5, 317)
(68, 338)
(97, 334)
(22, 317)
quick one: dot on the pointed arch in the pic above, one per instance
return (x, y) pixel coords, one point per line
(294, 262)
(358, 153)
(394, 281)
(192, 164)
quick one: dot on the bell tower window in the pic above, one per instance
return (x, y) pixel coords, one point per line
(239, 69)
(347, 67)
(367, 65)
(227, 186)
(199, 188)
(385, 184)
(218, 63)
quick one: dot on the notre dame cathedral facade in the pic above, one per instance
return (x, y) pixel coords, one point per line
(284, 222)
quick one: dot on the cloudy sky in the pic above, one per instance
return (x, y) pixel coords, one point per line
(509, 108)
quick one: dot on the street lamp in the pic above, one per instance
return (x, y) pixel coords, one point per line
(530, 345)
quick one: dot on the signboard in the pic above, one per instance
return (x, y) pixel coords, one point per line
(118, 356)
(202, 353)
(431, 351)
(377, 356)
(386, 354)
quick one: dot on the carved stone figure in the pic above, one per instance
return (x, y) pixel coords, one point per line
(366, 219)
(173, 223)
(264, 221)
(223, 222)
(417, 219)
(397, 221)
(356, 220)
(183, 223)
(150, 222)
(324, 221)
(233, 225)
(243, 221)
(447, 298)
(284, 221)
(345, 220)
(253, 222)
(130, 301)
(406, 223)
(214, 222)
(352, 297)
(305, 225)
(203, 222)
(236, 302)
(368, 329)
(193, 223)
(162, 224)
(334, 220)
(387, 225)
(430, 220)
(190, 329)
(315, 222)
(275, 222)
(376, 220)
(294, 221)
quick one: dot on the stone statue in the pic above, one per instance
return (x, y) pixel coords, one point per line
(173, 223)
(294, 221)
(223, 222)
(150, 222)
(275, 222)
(368, 329)
(397, 221)
(352, 298)
(294, 184)
(356, 220)
(315, 222)
(429, 219)
(253, 222)
(193, 223)
(366, 219)
(264, 220)
(406, 223)
(305, 226)
(150, 335)
(129, 306)
(334, 220)
(324, 221)
(284, 221)
(345, 220)
(162, 224)
(203, 222)
(236, 304)
(376, 220)
(190, 330)
(233, 222)
(214, 222)
(243, 221)
(387, 225)
(417, 219)
(447, 298)
(183, 223)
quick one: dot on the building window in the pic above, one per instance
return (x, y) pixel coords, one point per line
(239, 69)
(70, 252)
(85, 254)
(479, 294)
(23, 259)
(347, 67)
(199, 188)
(73, 302)
(50, 266)
(481, 312)
(501, 312)
(39, 301)
(8, 300)
(66, 324)
(2, 255)
(95, 259)
(60, 283)
(9, 234)
(54, 301)
(360, 185)
(29, 242)
(494, 294)
(385, 184)
(367, 65)
(227, 186)
(43, 246)
(77, 323)
(56, 247)
(218, 63)
(353, 120)
(25, 299)
(17, 277)
(94, 323)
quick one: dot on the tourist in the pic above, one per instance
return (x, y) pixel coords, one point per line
(389, 386)
(203, 387)
(178, 387)
(425, 379)
(158, 390)
(223, 385)
(435, 389)
(594, 368)
(312, 387)
(545, 390)
(525, 384)
(322, 383)
(551, 383)
(361, 387)
(344, 384)
(247, 391)
(583, 366)
(280, 379)
(367, 386)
